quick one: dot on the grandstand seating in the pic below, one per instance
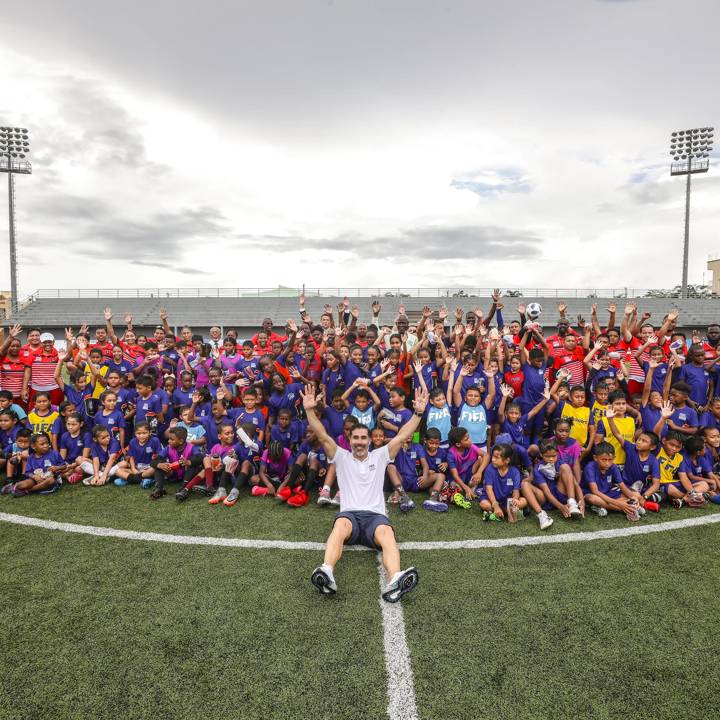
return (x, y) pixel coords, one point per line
(246, 313)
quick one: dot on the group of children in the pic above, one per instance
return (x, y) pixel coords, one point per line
(618, 418)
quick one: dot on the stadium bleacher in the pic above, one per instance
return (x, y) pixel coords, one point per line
(245, 312)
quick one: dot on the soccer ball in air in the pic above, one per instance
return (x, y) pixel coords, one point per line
(533, 310)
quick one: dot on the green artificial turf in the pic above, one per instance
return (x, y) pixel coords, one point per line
(129, 508)
(104, 628)
(611, 629)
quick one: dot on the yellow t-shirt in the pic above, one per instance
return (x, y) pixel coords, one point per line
(42, 423)
(99, 388)
(626, 428)
(598, 412)
(580, 421)
(669, 466)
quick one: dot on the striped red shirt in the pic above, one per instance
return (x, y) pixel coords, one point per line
(12, 373)
(43, 371)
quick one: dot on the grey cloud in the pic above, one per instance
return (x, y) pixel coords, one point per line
(169, 266)
(317, 69)
(438, 242)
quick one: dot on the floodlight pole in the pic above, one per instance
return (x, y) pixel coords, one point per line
(13, 251)
(686, 245)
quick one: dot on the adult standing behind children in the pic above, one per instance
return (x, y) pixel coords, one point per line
(362, 518)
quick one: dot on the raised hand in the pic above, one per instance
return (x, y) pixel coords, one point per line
(81, 342)
(163, 314)
(459, 314)
(196, 397)
(443, 313)
(346, 303)
(292, 326)
(609, 412)
(673, 315)
(68, 336)
(496, 295)
(355, 311)
(521, 308)
(667, 410)
(220, 394)
(83, 329)
(301, 299)
(327, 309)
(593, 309)
(421, 399)
(507, 391)
(341, 306)
(107, 314)
(401, 309)
(310, 400)
(494, 334)
(417, 366)
(376, 307)
(562, 307)
(128, 318)
(612, 307)
(581, 322)
(15, 330)
(426, 312)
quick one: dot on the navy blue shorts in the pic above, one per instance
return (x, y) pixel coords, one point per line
(364, 525)
(411, 484)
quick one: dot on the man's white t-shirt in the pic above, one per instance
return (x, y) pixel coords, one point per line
(361, 481)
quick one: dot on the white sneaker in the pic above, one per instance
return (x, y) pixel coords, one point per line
(324, 497)
(336, 499)
(600, 512)
(637, 486)
(574, 509)
(403, 582)
(545, 520)
(322, 578)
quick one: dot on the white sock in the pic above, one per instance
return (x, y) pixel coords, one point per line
(395, 577)
(328, 570)
(326, 488)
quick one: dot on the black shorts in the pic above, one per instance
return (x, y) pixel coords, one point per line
(364, 525)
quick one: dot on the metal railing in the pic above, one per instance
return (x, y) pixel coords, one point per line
(334, 292)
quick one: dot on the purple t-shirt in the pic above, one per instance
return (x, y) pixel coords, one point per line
(278, 468)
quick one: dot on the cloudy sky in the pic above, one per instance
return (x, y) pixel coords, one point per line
(180, 143)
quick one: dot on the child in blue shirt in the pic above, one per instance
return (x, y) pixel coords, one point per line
(42, 470)
(604, 486)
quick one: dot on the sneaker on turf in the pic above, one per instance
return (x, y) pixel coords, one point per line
(324, 497)
(299, 499)
(182, 494)
(7, 489)
(545, 520)
(284, 494)
(157, 493)
(323, 581)
(86, 480)
(232, 498)
(677, 503)
(435, 505)
(120, 482)
(599, 511)
(17, 492)
(74, 478)
(259, 491)
(402, 583)
(218, 497)
(336, 500)
(460, 501)
(574, 509)
(146, 483)
(406, 504)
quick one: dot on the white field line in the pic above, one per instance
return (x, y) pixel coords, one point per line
(400, 683)
(477, 544)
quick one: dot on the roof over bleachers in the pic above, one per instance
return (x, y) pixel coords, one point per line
(57, 308)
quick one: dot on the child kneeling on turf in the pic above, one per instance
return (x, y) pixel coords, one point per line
(42, 470)
(182, 462)
(466, 463)
(502, 488)
(604, 486)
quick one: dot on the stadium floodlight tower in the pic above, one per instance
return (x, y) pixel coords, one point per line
(14, 148)
(690, 151)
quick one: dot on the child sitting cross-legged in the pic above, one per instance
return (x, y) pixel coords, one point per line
(42, 470)
(503, 488)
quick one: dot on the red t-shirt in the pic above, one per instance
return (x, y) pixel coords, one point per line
(572, 362)
(515, 380)
(12, 373)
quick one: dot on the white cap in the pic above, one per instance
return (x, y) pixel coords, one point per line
(47, 337)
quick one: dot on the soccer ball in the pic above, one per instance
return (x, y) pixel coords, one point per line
(533, 310)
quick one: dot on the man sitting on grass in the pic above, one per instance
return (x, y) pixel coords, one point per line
(362, 518)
